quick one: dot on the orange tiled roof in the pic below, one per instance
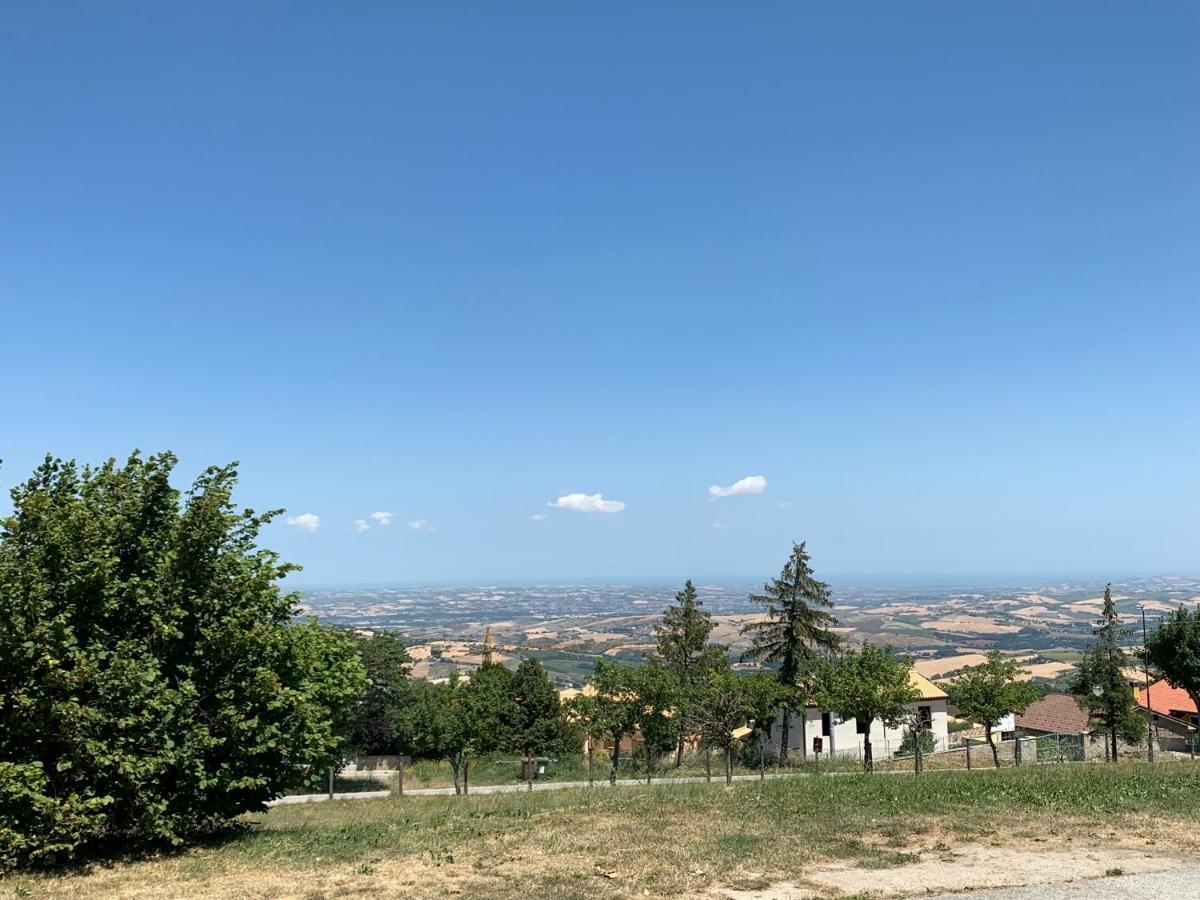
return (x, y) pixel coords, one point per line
(1055, 713)
(1166, 700)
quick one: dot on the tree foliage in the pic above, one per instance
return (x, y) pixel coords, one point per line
(683, 649)
(987, 693)
(798, 629)
(1100, 684)
(868, 685)
(152, 684)
(1174, 648)
(376, 725)
(538, 720)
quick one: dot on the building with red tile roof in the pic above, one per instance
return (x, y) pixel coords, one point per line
(1169, 701)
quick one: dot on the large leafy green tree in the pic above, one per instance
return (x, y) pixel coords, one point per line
(987, 693)
(152, 682)
(868, 685)
(375, 725)
(1174, 648)
(539, 724)
(654, 695)
(797, 630)
(614, 707)
(436, 725)
(684, 650)
(764, 696)
(1099, 682)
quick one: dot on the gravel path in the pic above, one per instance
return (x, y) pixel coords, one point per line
(1179, 884)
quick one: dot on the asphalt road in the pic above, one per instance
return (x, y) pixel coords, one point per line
(1179, 884)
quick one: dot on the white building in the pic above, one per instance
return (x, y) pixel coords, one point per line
(847, 737)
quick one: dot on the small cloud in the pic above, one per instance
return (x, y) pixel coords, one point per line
(538, 517)
(751, 484)
(587, 503)
(420, 525)
(786, 504)
(383, 518)
(718, 525)
(360, 525)
(309, 522)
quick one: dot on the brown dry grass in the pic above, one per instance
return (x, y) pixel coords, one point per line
(683, 840)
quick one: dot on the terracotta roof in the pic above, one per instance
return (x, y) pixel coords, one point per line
(1055, 714)
(1167, 700)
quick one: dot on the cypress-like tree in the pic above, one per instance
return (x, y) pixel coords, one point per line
(797, 630)
(1100, 681)
(684, 651)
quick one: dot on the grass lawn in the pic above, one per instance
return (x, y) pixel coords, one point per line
(690, 839)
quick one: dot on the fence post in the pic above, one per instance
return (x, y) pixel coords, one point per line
(400, 778)
(331, 782)
(968, 746)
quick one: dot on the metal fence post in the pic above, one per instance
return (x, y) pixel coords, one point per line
(331, 782)
(400, 778)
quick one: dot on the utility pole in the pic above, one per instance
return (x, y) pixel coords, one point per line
(1149, 708)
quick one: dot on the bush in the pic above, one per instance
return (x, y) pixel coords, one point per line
(153, 684)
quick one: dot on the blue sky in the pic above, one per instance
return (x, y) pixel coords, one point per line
(929, 269)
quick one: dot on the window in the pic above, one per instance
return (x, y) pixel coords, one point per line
(925, 716)
(826, 724)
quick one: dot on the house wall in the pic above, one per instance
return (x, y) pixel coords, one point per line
(843, 736)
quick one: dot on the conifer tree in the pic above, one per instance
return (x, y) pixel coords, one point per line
(538, 724)
(1100, 681)
(797, 630)
(684, 651)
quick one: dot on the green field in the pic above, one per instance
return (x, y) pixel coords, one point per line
(658, 841)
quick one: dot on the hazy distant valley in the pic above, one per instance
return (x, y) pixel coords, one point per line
(567, 626)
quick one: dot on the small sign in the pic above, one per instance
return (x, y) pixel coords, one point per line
(817, 744)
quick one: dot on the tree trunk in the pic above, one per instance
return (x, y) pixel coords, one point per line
(992, 743)
(784, 727)
(918, 753)
(679, 752)
(455, 763)
(868, 752)
(729, 764)
(1113, 736)
(591, 763)
(531, 763)
(466, 774)
(762, 756)
(708, 764)
(616, 759)
(649, 762)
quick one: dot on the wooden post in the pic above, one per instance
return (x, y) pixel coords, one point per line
(331, 782)
(400, 778)
(708, 764)
(968, 746)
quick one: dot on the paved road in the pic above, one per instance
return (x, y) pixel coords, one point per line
(537, 786)
(1172, 885)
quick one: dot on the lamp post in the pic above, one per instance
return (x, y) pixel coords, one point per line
(1149, 708)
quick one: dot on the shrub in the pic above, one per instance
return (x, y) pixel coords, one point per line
(152, 684)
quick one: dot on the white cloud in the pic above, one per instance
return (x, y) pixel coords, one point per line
(383, 518)
(751, 484)
(360, 525)
(718, 525)
(587, 503)
(538, 517)
(420, 525)
(309, 522)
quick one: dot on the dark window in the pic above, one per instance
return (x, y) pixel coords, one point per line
(827, 724)
(925, 714)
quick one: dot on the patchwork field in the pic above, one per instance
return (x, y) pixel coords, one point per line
(818, 836)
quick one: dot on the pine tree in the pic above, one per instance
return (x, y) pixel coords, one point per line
(1100, 681)
(797, 630)
(684, 651)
